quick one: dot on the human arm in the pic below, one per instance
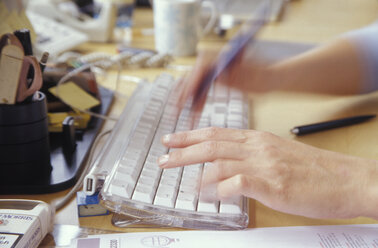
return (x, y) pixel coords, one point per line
(282, 174)
(333, 68)
(287, 175)
(346, 65)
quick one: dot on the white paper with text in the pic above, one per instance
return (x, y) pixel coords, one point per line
(348, 236)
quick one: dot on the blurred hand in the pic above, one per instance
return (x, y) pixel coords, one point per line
(335, 68)
(241, 73)
(285, 175)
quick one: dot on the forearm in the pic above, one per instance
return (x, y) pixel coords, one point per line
(357, 192)
(335, 68)
(371, 195)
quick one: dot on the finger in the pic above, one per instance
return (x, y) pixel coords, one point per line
(178, 88)
(182, 91)
(203, 152)
(183, 139)
(222, 169)
(173, 99)
(246, 185)
(228, 75)
(196, 113)
(190, 83)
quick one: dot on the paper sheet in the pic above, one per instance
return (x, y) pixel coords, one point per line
(78, 98)
(348, 236)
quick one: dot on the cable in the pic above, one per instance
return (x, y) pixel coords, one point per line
(76, 71)
(105, 61)
(61, 203)
(129, 57)
(58, 205)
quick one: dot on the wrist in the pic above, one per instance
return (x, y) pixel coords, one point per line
(278, 77)
(266, 78)
(371, 197)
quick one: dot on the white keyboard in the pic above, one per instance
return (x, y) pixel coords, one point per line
(243, 9)
(134, 184)
(54, 37)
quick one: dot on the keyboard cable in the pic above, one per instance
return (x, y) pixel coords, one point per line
(58, 204)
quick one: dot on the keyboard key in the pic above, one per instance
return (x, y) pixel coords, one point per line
(208, 206)
(143, 193)
(187, 201)
(207, 198)
(232, 205)
(121, 188)
(128, 175)
(166, 196)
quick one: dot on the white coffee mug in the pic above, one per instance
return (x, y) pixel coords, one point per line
(178, 27)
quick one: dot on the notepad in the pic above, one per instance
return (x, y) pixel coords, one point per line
(74, 96)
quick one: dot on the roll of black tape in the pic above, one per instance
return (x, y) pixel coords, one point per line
(21, 153)
(21, 134)
(24, 140)
(23, 113)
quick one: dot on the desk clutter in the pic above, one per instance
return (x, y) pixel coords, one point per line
(136, 139)
(47, 128)
(44, 138)
(21, 74)
(23, 111)
(146, 200)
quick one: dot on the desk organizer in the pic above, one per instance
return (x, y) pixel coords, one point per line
(24, 142)
(32, 160)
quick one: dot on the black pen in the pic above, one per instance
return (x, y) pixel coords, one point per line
(23, 36)
(321, 126)
(43, 61)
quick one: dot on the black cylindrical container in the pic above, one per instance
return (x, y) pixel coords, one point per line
(24, 142)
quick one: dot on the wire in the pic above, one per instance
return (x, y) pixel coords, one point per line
(105, 61)
(61, 203)
(75, 72)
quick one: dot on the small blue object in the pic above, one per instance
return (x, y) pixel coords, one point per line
(89, 205)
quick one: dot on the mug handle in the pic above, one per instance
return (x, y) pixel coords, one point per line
(213, 17)
(24, 90)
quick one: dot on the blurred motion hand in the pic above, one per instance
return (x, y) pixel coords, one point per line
(335, 68)
(241, 73)
(282, 174)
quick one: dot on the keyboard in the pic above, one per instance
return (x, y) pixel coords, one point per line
(234, 11)
(130, 180)
(54, 37)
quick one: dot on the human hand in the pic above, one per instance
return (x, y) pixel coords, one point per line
(282, 174)
(190, 84)
(241, 73)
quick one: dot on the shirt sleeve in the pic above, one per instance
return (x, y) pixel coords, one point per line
(366, 41)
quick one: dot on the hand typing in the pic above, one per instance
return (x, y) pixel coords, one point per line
(282, 174)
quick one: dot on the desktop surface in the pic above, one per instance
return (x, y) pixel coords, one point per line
(305, 21)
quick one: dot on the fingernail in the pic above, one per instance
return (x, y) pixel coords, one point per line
(162, 160)
(166, 138)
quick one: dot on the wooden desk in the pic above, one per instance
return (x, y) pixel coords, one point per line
(312, 21)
